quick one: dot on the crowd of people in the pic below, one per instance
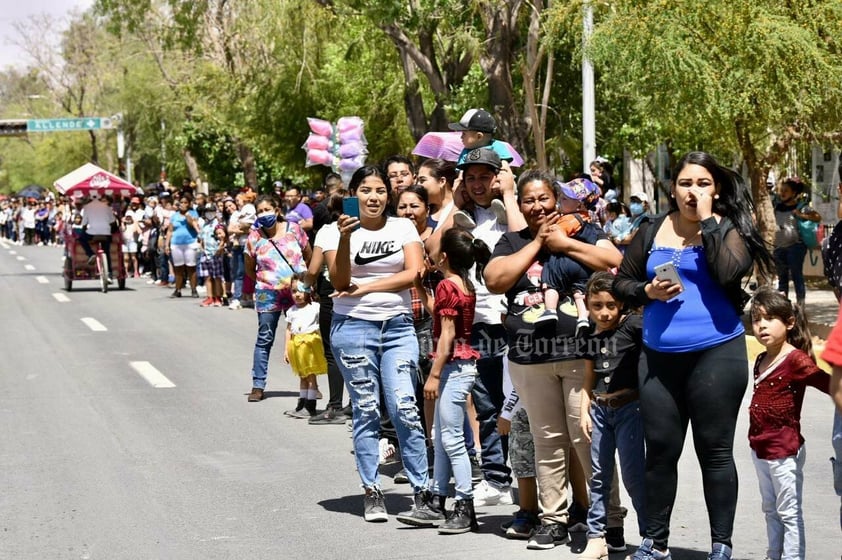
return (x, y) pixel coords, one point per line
(488, 327)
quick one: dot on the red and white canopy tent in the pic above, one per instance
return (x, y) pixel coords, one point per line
(90, 179)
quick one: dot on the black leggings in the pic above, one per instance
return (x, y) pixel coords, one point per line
(705, 388)
(335, 383)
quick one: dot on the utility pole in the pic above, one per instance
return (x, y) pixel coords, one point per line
(588, 105)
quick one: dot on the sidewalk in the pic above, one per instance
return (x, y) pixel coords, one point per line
(822, 309)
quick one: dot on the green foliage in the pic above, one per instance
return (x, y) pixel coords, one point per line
(690, 70)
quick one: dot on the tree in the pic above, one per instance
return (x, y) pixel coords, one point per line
(747, 76)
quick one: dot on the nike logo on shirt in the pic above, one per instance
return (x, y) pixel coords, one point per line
(360, 260)
(375, 250)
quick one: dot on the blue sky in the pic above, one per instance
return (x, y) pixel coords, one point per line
(19, 10)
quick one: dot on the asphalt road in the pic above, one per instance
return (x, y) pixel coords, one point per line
(100, 462)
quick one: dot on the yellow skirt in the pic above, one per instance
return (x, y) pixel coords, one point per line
(307, 355)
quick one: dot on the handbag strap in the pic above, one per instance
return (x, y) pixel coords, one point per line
(278, 249)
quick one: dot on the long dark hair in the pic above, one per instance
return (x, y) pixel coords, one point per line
(777, 305)
(463, 251)
(440, 169)
(734, 202)
(368, 171)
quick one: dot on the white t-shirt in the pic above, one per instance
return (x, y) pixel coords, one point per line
(489, 306)
(375, 254)
(27, 218)
(303, 320)
(98, 216)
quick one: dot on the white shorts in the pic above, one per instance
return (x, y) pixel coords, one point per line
(184, 255)
(130, 247)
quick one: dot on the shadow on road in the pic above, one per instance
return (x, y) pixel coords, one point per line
(353, 505)
(273, 394)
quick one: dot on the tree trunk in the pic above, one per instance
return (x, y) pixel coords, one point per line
(192, 165)
(534, 95)
(496, 62)
(247, 160)
(94, 149)
(412, 100)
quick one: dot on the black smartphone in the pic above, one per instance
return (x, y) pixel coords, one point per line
(351, 206)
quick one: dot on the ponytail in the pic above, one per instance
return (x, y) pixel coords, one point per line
(799, 335)
(463, 251)
(482, 254)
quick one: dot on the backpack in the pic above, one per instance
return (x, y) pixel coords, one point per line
(808, 230)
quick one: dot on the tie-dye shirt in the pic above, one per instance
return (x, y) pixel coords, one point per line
(274, 275)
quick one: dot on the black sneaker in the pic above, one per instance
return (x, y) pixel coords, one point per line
(476, 471)
(400, 477)
(523, 525)
(374, 508)
(462, 519)
(424, 513)
(615, 539)
(548, 536)
(329, 416)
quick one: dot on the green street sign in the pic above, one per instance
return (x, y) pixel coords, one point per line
(68, 125)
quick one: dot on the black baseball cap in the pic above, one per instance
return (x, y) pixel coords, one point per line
(479, 120)
(483, 156)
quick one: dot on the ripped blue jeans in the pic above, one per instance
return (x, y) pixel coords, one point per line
(371, 355)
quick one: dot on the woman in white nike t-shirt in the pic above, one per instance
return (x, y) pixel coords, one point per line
(373, 261)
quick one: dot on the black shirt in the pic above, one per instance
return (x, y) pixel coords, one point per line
(530, 343)
(615, 355)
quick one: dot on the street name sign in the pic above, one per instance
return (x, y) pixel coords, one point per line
(69, 124)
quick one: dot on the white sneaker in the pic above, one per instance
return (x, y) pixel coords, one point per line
(388, 453)
(499, 210)
(235, 304)
(486, 494)
(463, 220)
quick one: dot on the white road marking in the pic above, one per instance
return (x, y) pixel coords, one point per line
(61, 298)
(42, 279)
(28, 267)
(93, 324)
(11, 252)
(21, 258)
(152, 375)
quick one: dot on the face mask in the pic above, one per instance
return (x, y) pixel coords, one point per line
(267, 220)
(210, 215)
(636, 208)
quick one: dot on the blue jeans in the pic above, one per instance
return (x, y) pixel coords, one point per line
(85, 242)
(451, 455)
(490, 341)
(789, 262)
(837, 462)
(371, 355)
(267, 325)
(238, 271)
(163, 266)
(616, 430)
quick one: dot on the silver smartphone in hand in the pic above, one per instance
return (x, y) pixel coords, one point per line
(667, 271)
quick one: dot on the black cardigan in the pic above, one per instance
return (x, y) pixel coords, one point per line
(727, 255)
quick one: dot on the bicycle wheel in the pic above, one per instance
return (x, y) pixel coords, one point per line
(102, 266)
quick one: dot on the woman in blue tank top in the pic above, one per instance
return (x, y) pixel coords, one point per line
(694, 366)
